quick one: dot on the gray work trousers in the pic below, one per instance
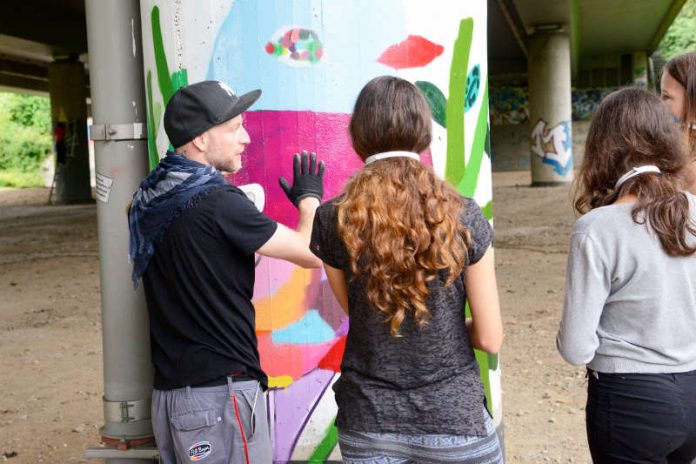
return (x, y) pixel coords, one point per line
(225, 424)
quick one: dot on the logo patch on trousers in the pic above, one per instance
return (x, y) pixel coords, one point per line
(199, 451)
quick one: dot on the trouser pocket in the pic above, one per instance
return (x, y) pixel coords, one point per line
(254, 440)
(198, 437)
(250, 404)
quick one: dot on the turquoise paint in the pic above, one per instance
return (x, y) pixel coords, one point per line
(310, 329)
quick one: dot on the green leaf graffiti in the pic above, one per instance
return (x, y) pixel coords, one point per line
(468, 183)
(488, 210)
(436, 101)
(152, 123)
(163, 79)
(493, 361)
(454, 166)
(168, 84)
(327, 445)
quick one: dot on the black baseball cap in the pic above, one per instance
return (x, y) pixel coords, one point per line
(195, 108)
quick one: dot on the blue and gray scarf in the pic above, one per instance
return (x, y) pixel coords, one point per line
(175, 185)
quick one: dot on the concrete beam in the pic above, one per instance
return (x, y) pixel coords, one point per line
(17, 84)
(23, 68)
(61, 25)
(514, 22)
(667, 21)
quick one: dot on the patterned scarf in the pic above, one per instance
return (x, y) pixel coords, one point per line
(175, 185)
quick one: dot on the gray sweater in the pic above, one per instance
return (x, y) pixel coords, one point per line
(629, 307)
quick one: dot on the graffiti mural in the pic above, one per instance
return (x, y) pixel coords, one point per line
(311, 59)
(509, 105)
(554, 145)
(585, 102)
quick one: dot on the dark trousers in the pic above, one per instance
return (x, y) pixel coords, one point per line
(641, 418)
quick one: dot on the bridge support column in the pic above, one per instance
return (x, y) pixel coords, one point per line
(67, 88)
(550, 108)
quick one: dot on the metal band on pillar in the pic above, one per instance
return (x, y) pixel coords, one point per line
(105, 132)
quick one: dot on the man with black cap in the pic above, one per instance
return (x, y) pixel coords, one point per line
(193, 239)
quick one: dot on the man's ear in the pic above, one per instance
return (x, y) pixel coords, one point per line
(201, 142)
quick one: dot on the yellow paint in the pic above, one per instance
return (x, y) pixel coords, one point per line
(286, 305)
(282, 381)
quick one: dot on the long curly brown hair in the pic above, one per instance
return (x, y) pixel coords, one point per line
(631, 128)
(683, 69)
(398, 220)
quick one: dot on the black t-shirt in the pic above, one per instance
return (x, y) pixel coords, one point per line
(198, 287)
(427, 380)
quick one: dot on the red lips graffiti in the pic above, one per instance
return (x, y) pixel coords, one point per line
(414, 52)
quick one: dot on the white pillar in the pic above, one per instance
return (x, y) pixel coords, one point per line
(550, 107)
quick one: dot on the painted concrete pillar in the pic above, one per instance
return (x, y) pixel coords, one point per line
(67, 89)
(550, 107)
(120, 144)
(311, 58)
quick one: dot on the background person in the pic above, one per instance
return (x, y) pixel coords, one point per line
(630, 302)
(678, 92)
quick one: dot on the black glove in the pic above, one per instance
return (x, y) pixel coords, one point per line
(308, 179)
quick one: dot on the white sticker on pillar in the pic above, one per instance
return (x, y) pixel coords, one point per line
(104, 184)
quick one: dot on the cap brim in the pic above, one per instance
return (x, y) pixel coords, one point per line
(243, 103)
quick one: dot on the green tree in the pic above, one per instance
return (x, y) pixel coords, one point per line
(31, 111)
(681, 35)
(25, 139)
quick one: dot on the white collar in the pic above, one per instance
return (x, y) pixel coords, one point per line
(392, 154)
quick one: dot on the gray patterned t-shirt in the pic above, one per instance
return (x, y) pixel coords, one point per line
(426, 381)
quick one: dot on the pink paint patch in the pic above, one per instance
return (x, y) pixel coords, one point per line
(427, 157)
(277, 135)
(265, 285)
(287, 359)
(414, 52)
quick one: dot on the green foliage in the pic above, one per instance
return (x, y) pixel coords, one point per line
(681, 35)
(25, 138)
(20, 179)
(31, 111)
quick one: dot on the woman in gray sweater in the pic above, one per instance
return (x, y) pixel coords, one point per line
(630, 303)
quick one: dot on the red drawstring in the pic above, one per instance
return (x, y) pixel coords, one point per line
(241, 429)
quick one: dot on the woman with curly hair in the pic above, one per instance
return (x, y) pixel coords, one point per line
(403, 253)
(630, 302)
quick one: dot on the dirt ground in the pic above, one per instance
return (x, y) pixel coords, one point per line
(50, 330)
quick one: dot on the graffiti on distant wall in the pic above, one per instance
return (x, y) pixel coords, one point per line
(554, 145)
(586, 101)
(509, 105)
(310, 69)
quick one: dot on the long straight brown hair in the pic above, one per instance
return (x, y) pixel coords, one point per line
(398, 220)
(683, 69)
(633, 128)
